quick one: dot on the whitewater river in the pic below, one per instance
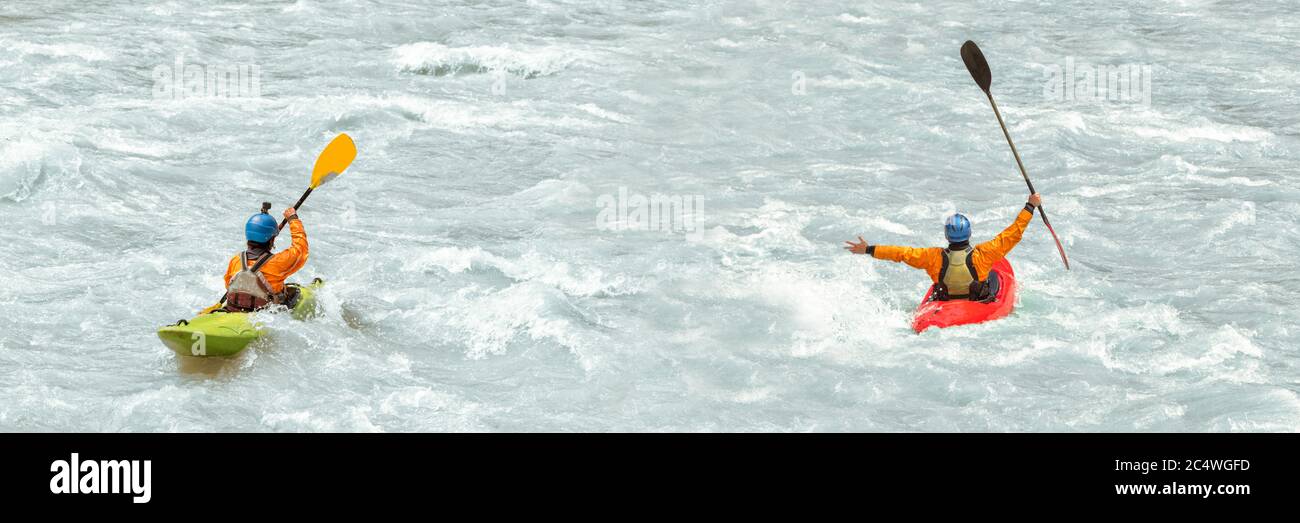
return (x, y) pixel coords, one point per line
(481, 277)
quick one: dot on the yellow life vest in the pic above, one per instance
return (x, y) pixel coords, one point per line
(958, 278)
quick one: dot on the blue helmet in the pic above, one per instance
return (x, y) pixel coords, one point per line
(261, 228)
(957, 228)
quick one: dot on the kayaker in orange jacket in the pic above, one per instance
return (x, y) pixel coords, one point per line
(959, 271)
(248, 289)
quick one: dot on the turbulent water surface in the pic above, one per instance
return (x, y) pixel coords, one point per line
(477, 279)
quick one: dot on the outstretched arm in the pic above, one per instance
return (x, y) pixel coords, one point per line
(921, 258)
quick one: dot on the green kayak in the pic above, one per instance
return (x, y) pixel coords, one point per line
(227, 333)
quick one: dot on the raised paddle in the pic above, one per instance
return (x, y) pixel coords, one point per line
(335, 159)
(979, 70)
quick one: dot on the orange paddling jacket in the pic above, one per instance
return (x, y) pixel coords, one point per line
(281, 265)
(983, 256)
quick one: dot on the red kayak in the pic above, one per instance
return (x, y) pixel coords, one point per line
(961, 312)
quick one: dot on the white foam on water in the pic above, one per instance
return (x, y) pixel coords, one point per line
(1218, 133)
(606, 114)
(861, 20)
(521, 313)
(84, 52)
(438, 59)
(31, 161)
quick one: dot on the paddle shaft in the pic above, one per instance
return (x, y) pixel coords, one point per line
(309, 189)
(1014, 152)
(1021, 165)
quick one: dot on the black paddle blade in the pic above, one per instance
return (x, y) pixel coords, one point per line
(977, 65)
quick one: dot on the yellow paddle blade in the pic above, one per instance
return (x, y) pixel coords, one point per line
(336, 158)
